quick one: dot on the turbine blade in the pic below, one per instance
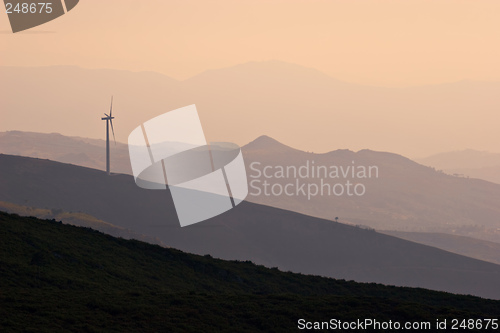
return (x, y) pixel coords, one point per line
(112, 130)
(106, 115)
(111, 107)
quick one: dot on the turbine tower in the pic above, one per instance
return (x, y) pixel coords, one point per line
(109, 119)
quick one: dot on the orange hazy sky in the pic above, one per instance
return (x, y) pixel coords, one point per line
(383, 42)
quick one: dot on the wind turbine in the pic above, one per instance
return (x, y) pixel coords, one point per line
(109, 119)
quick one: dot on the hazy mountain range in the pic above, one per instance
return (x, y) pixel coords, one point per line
(265, 235)
(406, 196)
(73, 150)
(467, 163)
(303, 107)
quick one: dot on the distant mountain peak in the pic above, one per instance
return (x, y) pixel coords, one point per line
(266, 139)
(267, 143)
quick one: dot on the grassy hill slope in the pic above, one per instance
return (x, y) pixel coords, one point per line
(57, 277)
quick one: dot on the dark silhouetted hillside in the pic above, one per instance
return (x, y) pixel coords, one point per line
(62, 278)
